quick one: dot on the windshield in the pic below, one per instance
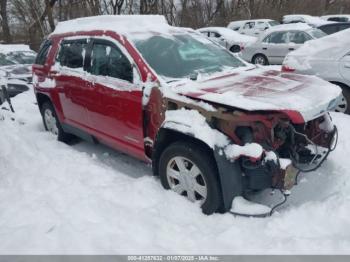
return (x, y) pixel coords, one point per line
(22, 57)
(4, 61)
(273, 23)
(185, 55)
(317, 33)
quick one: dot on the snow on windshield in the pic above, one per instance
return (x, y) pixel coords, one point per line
(183, 55)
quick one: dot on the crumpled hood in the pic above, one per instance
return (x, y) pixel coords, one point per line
(265, 89)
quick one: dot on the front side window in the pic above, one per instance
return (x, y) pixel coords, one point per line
(108, 60)
(249, 25)
(183, 55)
(72, 53)
(214, 34)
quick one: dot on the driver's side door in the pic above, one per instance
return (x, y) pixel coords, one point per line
(118, 118)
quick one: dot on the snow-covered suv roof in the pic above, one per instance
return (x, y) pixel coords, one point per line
(122, 24)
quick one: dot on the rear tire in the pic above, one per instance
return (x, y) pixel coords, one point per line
(260, 59)
(189, 170)
(52, 123)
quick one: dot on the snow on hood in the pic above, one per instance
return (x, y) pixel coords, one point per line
(330, 47)
(264, 89)
(5, 49)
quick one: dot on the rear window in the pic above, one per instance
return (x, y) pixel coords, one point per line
(273, 23)
(43, 52)
(317, 33)
(72, 53)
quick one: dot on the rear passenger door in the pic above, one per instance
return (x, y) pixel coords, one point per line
(275, 47)
(118, 118)
(70, 80)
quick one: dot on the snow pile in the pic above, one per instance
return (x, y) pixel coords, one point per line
(193, 123)
(329, 48)
(312, 20)
(288, 27)
(253, 150)
(243, 206)
(89, 199)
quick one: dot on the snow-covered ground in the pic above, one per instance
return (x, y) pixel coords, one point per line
(60, 199)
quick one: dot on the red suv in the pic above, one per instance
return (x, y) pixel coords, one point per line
(213, 126)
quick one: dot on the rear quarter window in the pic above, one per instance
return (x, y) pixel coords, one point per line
(43, 53)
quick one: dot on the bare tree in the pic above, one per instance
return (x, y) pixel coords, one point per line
(4, 21)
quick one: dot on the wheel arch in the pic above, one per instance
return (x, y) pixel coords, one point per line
(167, 136)
(338, 83)
(229, 173)
(41, 99)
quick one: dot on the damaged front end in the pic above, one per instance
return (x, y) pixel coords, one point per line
(291, 148)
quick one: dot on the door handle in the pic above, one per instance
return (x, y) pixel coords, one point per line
(264, 48)
(291, 49)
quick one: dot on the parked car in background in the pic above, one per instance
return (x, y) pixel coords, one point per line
(334, 28)
(327, 58)
(313, 21)
(276, 43)
(15, 68)
(228, 38)
(336, 18)
(252, 27)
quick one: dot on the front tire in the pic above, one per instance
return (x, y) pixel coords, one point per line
(187, 169)
(52, 123)
(260, 59)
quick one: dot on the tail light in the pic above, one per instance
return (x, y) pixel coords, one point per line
(287, 69)
(242, 47)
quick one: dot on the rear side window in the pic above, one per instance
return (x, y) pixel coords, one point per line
(108, 60)
(298, 37)
(276, 38)
(43, 52)
(72, 53)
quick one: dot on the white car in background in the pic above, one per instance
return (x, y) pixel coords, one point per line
(231, 40)
(15, 69)
(336, 18)
(252, 27)
(327, 58)
(272, 47)
(313, 21)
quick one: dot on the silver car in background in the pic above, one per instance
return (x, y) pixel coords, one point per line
(327, 58)
(272, 47)
(231, 40)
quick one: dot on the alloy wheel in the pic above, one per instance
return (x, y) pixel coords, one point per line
(185, 178)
